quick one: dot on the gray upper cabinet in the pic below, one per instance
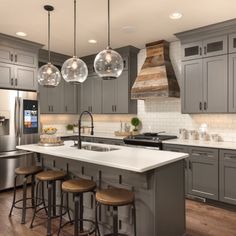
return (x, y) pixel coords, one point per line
(232, 82)
(227, 176)
(18, 63)
(70, 98)
(203, 172)
(109, 98)
(192, 51)
(215, 80)
(232, 43)
(91, 94)
(192, 84)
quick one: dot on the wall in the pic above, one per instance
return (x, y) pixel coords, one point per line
(165, 114)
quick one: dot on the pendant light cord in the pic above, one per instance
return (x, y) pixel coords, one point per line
(108, 25)
(74, 27)
(49, 38)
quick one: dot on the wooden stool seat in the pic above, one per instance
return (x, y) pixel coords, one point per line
(78, 185)
(31, 170)
(51, 175)
(115, 197)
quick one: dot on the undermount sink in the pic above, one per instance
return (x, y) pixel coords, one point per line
(96, 148)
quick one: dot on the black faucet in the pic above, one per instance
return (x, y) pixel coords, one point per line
(79, 126)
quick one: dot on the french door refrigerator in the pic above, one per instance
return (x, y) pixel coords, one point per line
(19, 124)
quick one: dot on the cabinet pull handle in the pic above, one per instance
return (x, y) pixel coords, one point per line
(11, 57)
(16, 82)
(112, 108)
(200, 51)
(12, 81)
(15, 58)
(205, 106)
(200, 106)
(205, 50)
(202, 154)
(230, 157)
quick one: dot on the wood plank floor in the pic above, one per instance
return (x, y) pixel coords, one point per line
(202, 220)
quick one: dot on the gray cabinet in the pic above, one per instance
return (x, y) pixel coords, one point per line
(232, 82)
(205, 85)
(192, 51)
(70, 98)
(203, 172)
(7, 75)
(227, 176)
(91, 94)
(232, 43)
(25, 58)
(6, 54)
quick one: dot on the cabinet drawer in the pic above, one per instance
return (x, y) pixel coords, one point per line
(174, 148)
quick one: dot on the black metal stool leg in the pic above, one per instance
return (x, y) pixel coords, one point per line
(115, 221)
(134, 217)
(54, 198)
(60, 224)
(24, 200)
(14, 197)
(43, 198)
(81, 212)
(67, 205)
(35, 206)
(32, 189)
(50, 187)
(96, 218)
(76, 216)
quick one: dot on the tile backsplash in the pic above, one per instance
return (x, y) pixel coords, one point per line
(157, 114)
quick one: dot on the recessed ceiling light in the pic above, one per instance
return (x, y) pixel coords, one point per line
(21, 34)
(93, 41)
(175, 15)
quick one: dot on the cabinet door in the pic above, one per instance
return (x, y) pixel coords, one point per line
(232, 43)
(70, 98)
(25, 78)
(97, 95)
(25, 58)
(215, 46)
(184, 149)
(56, 99)
(192, 51)
(6, 54)
(232, 82)
(108, 96)
(7, 75)
(192, 93)
(122, 93)
(203, 172)
(215, 77)
(227, 176)
(87, 94)
(43, 98)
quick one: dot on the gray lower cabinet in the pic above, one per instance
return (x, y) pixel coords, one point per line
(232, 82)
(203, 172)
(18, 77)
(227, 170)
(205, 85)
(116, 94)
(91, 94)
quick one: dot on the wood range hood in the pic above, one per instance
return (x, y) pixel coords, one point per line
(157, 77)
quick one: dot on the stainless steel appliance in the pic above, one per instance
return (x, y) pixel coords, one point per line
(19, 124)
(149, 140)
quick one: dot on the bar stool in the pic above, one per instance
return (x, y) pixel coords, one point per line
(116, 197)
(50, 177)
(26, 172)
(78, 187)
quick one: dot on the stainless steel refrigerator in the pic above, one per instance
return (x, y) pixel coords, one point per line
(19, 124)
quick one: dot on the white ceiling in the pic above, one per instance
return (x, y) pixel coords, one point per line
(149, 20)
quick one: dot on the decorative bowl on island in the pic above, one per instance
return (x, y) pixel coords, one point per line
(49, 130)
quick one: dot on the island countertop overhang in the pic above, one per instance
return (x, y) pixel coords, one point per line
(126, 158)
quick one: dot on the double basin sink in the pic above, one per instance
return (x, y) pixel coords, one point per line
(96, 148)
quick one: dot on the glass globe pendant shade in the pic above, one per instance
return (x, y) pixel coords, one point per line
(49, 75)
(108, 64)
(74, 70)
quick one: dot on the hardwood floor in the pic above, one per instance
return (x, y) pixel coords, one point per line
(202, 220)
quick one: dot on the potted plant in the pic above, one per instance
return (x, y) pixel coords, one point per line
(135, 121)
(70, 128)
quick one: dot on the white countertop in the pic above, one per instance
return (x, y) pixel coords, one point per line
(126, 158)
(198, 143)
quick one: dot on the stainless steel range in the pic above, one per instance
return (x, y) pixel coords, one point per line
(153, 140)
(19, 124)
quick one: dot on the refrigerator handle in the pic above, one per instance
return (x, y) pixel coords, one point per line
(20, 114)
(16, 115)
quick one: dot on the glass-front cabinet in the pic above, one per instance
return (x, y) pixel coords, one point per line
(232, 43)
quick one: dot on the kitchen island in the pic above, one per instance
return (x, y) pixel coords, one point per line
(156, 177)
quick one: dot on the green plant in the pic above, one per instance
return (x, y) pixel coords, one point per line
(135, 121)
(70, 127)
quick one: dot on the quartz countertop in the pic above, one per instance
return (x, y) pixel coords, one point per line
(198, 143)
(126, 158)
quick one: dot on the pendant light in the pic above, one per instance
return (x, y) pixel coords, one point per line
(74, 70)
(108, 64)
(49, 75)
